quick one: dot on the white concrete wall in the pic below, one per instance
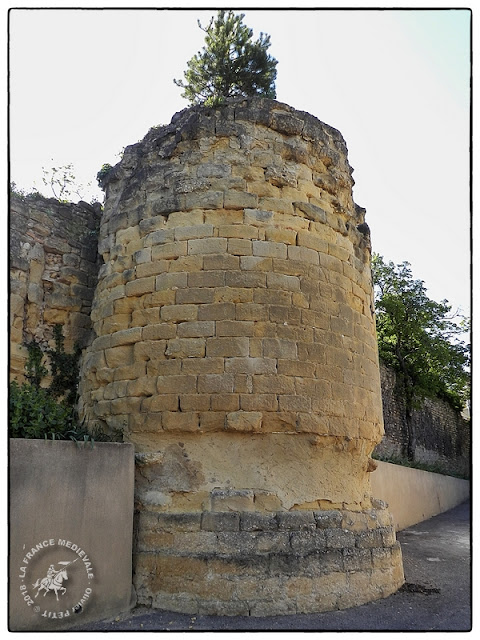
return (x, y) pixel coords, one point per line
(414, 495)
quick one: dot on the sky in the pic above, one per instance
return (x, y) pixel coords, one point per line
(395, 83)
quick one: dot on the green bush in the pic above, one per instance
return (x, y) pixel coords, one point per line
(34, 413)
(47, 412)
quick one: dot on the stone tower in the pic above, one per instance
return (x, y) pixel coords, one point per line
(235, 347)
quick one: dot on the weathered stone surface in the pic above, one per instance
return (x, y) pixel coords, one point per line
(53, 253)
(257, 403)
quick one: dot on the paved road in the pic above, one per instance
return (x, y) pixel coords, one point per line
(436, 597)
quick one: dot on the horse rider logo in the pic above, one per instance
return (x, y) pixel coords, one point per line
(54, 579)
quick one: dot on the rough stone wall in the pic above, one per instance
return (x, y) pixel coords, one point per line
(235, 347)
(442, 435)
(53, 272)
(259, 564)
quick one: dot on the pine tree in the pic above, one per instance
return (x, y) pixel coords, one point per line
(230, 64)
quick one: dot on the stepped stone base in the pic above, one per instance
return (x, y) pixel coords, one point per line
(260, 564)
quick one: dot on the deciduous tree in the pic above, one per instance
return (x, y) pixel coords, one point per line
(420, 338)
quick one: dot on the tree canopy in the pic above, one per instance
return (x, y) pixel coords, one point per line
(230, 64)
(419, 337)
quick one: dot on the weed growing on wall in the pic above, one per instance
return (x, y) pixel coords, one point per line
(48, 411)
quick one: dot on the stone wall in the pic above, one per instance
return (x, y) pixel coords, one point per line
(235, 347)
(53, 272)
(442, 435)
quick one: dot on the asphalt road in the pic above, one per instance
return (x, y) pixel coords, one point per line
(435, 597)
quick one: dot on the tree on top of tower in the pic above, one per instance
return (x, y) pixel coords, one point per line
(230, 64)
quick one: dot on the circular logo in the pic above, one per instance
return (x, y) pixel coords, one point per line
(56, 579)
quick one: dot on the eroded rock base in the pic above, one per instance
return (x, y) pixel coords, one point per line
(260, 564)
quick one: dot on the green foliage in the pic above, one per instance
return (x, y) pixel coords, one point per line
(64, 368)
(103, 173)
(38, 412)
(24, 195)
(419, 337)
(34, 413)
(35, 370)
(230, 64)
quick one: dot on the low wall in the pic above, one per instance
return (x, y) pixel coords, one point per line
(71, 527)
(414, 495)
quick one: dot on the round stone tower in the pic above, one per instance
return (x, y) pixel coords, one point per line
(236, 349)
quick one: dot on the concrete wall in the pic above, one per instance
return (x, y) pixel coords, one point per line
(71, 507)
(414, 495)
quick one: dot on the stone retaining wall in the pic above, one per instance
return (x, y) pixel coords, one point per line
(442, 435)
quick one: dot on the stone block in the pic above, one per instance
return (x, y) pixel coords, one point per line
(328, 519)
(140, 287)
(195, 402)
(258, 402)
(303, 254)
(176, 384)
(357, 559)
(221, 262)
(228, 347)
(234, 328)
(126, 336)
(256, 263)
(269, 249)
(250, 365)
(207, 245)
(179, 313)
(195, 296)
(276, 348)
(215, 383)
(119, 356)
(220, 521)
(255, 521)
(180, 421)
(250, 421)
(160, 331)
(203, 200)
(204, 365)
(176, 280)
(339, 539)
(305, 542)
(185, 348)
(194, 232)
(240, 246)
(239, 200)
(225, 402)
(238, 231)
(251, 311)
(196, 329)
(296, 520)
(212, 421)
(206, 279)
(176, 522)
(144, 317)
(169, 251)
(157, 403)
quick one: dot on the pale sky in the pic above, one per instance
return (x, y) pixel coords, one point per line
(395, 83)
